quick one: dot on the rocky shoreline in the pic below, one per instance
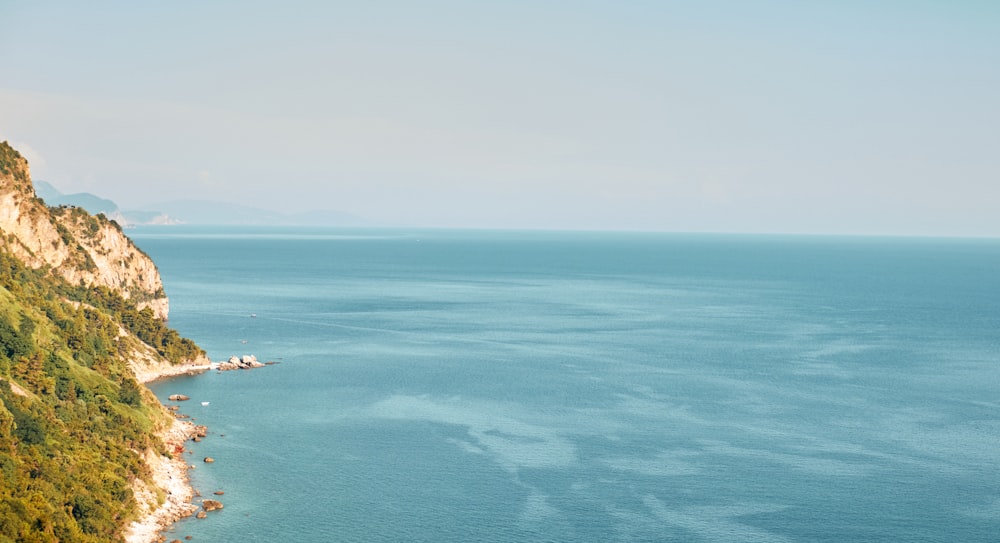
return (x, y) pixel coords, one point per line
(170, 499)
(170, 476)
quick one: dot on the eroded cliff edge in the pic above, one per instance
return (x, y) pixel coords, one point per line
(83, 249)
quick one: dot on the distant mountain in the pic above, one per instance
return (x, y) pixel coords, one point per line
(224, 213)
(194, 212)
(46, 192)
(92, 203)
(135, 217)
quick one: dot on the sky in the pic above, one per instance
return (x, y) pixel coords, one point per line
(847, 117)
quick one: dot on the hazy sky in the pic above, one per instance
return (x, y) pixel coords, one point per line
(844, 116)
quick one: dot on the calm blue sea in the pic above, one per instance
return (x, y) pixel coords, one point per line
(452, 386)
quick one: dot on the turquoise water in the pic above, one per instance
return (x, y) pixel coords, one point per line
(522, 386)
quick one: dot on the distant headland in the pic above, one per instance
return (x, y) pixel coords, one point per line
(205, 212)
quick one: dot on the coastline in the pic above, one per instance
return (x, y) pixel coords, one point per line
(146, 371)
(169, 498)
(170, 479)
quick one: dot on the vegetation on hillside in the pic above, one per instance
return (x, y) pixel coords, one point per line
(72, 417)
(10, 166)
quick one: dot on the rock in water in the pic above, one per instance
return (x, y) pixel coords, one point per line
(248, 361)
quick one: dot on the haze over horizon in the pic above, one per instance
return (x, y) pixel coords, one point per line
(717, 116)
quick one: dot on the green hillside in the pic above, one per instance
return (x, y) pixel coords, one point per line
(71, 415)
(73, 420)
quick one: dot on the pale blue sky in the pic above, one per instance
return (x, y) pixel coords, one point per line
(736, 116)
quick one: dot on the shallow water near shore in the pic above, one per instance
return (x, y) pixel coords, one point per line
(532, 386)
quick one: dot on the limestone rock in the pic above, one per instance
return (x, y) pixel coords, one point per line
(247, 361)
(42, 236)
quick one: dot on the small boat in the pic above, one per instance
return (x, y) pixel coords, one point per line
(205, 403)
(253, 315)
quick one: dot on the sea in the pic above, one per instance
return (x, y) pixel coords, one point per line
(497, 386)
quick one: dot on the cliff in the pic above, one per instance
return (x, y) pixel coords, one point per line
(82, 309)
(82, 248)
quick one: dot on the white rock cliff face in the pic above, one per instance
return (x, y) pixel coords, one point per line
(40, 236)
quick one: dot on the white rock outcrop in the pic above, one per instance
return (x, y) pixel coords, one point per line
(246, 362)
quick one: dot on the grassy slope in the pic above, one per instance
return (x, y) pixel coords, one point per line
(72, 417)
